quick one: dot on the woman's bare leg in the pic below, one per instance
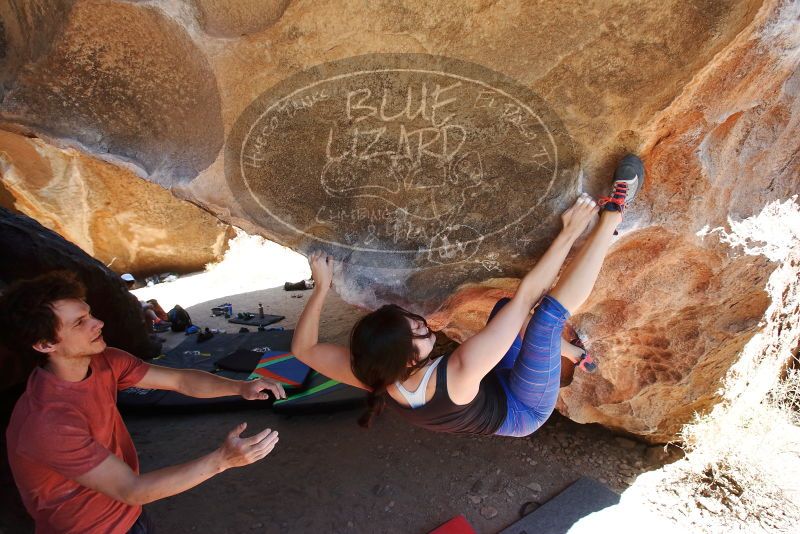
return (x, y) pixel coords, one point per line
(577, 281)
(579, 277)
(568, 350)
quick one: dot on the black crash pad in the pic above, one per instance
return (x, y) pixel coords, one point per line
(258, 321)
(204, 355)
(321, 394)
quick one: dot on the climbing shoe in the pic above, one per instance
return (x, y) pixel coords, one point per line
(587, 362)
(628, 180)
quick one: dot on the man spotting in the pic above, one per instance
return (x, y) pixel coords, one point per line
(72, 458)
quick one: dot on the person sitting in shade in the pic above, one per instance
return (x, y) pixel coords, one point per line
(157, 319)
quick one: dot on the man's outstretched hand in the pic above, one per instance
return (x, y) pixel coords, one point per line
(259, 389)
(238, 451)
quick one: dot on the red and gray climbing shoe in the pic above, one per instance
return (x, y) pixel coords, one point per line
(587, 363)
(628, 180)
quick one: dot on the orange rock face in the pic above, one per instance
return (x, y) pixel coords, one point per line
(123, 221)
(438, 178)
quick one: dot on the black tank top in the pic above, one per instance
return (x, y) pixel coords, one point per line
(483, 415)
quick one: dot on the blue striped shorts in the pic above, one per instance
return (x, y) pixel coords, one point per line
(530, 371)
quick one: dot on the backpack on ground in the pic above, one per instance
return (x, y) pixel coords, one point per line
(179, 318)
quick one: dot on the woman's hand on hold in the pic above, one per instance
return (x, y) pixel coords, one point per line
(321, 269)
(579, 215)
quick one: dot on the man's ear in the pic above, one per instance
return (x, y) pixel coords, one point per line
(45, 347)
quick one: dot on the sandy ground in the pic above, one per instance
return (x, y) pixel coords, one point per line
(329, 475)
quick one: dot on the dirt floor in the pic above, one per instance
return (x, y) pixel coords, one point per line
(329, 475)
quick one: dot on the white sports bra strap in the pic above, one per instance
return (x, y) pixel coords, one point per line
(416, 398)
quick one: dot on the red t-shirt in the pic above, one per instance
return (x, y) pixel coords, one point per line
(60, 430)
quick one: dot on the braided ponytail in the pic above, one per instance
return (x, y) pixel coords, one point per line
(375, 405)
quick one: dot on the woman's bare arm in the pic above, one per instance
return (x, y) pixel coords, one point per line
(331, 360)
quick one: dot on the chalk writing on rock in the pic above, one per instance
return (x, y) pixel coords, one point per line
(397, 159)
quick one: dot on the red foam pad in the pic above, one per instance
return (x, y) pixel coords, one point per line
(457, 525)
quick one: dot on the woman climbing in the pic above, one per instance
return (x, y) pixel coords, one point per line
(505, 379)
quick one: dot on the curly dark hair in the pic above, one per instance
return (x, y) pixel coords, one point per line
(26, 311)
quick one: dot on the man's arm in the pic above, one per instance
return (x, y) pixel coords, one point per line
(204, 385)
(114, 478)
